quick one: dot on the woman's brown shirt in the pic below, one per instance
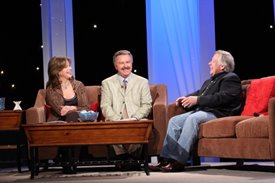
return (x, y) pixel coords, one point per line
(54, 98)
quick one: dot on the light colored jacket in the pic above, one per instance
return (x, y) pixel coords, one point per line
(137, 97)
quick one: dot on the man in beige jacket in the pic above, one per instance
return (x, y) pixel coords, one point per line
(125, 96)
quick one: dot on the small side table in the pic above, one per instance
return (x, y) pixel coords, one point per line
(11, 121)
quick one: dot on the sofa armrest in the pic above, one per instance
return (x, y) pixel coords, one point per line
(35, 115)
(159, 110)
(271, 125)
(160, 103)
(159, 114)
(174, 110)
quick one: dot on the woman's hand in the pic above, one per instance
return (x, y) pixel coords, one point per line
(65, 109)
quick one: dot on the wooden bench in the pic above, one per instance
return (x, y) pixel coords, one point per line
(87, 133)
(10, 121)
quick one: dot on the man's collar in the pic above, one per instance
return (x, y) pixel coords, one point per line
(217, 75)
(122, 78)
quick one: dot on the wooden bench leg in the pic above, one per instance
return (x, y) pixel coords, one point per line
(18, 155)
(145, 157)
(32, 161)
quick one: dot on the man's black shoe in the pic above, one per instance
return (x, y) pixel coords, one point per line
(174, 166)
(156, 167)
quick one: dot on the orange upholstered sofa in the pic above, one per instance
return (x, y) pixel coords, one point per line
(249, 136)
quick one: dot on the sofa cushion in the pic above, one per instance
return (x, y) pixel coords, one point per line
(48, 109)
(221, 127)
(258, 95)
(154, 95)
(95, 106)
(253, 127)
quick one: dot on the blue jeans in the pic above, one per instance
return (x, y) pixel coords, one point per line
(182, 133)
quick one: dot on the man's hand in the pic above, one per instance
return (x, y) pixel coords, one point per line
(190, 101)
(179, 100)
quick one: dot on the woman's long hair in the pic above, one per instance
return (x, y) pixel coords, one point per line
(55, 65)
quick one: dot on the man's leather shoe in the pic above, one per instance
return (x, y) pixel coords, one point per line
(156, 167)
(173, 167)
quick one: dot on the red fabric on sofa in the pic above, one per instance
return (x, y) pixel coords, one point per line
(96, 108)
(258, 95)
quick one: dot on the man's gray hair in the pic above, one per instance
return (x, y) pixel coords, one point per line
(226, 60)
(122, 52)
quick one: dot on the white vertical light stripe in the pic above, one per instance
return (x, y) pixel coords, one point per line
(57, 31)
(180, 43)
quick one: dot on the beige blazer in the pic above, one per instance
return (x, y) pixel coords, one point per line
(137, 97)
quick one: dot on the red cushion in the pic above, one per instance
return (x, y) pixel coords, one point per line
(96, 108)
(258, 95)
